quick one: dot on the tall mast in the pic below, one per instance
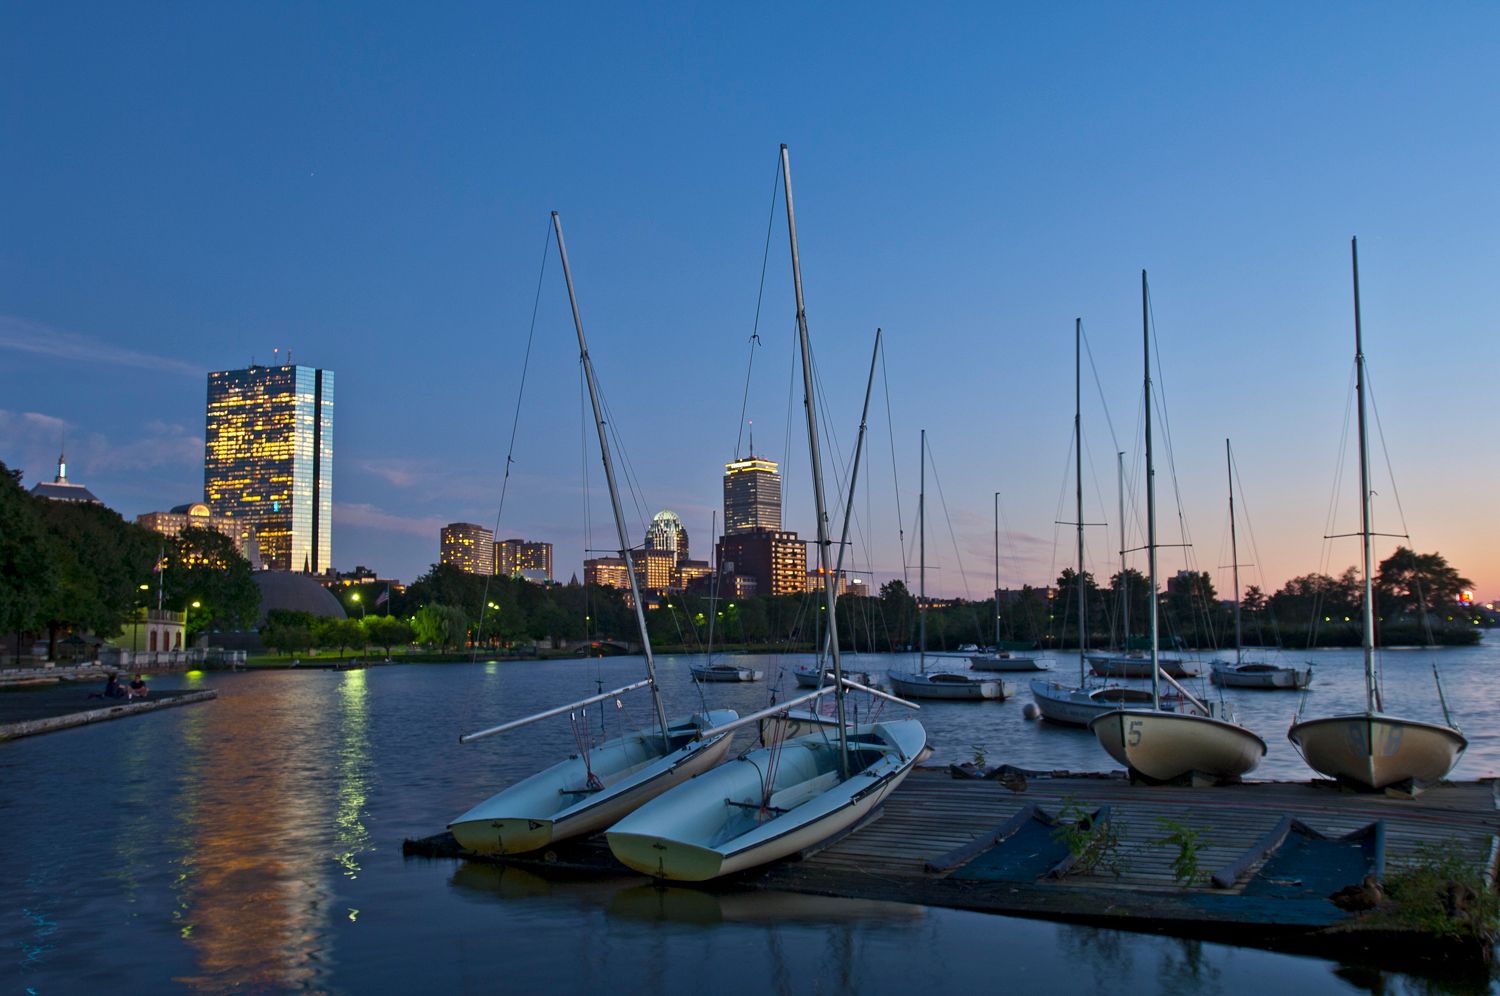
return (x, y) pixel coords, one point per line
(614, 492)
(859, 444)
(1234, 553)
(922, 560)
(1150, 503)
(830, 582)
(1124, 584)
(997, 572)
(1372, 696)
(1083, 615)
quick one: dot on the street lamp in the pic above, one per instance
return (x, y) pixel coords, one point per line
(355, 598)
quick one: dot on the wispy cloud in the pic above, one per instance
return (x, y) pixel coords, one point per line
(398, 472)
(366, 516)
(30, 441)
(24, 336)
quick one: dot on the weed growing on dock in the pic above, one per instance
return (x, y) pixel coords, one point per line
(1189, 844)
(1092, 843)
(979, 755)
(1443, 895)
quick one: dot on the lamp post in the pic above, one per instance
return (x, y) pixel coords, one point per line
(136, 643)
(356, 600)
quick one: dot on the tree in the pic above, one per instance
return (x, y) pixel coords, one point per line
(1129, 599)
(1411, 583)
(387, 631)
(101, 562)
(440, 625)
(204, 566)
(898, 608)
(26, 570)
(340, 634)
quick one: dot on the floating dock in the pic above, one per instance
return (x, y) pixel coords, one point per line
(1254, 863)
(77, 711)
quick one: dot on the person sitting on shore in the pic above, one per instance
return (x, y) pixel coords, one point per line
(138, 689)
(112, 688)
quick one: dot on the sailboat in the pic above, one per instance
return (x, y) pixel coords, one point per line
(1153, 744)
(1000, 659)
(589, 791)
(773, 802)
(924, 684)
(1372, 749)
(1059, 703)
(1242, 673)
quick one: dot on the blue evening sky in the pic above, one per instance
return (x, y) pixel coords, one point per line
(185, 186)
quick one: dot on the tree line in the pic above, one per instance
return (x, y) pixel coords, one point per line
(74, 567)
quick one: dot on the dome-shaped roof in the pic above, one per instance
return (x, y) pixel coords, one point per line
(295, 592)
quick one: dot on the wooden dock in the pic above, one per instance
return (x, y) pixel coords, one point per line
(916, 848)
(934, 815)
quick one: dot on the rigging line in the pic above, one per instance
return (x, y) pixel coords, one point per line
(515, 423)
(1161, 393)
(1099, 386)
(952, 536)
(1389, 471)
(588, 534)
(759, 297)
(895, 479)
(791, 408)
(1248, 520)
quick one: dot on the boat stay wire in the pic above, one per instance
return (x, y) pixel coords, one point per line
(760, 294)
(890, 428)
(515, 422)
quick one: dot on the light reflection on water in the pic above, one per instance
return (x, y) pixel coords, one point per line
(254, 843)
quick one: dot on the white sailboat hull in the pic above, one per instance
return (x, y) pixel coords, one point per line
(1006, 662)
(1256, 675)
(807, 676)
(713, 825)
(1375, 751)
(557, 804)
(1132, 666)
(1164, 746)
(1079, 706)
(946, 685)
(724, 672)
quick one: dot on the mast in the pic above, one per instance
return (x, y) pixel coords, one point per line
(830, 582)
(614, 492)
(922, 561)
(859, 444)
(1372, 696)
(1124, 584)
(997, 572)
(1083, 616)
(1234, 553)
(1150, 503)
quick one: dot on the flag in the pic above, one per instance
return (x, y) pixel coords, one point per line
(383, 597)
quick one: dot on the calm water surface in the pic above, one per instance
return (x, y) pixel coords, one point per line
(253, 844)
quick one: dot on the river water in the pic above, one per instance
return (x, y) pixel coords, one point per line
(254, 844)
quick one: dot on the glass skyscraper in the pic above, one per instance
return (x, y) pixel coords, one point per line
(268, 460)
(752, 495)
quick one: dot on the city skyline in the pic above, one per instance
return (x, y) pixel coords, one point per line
(1013, 170)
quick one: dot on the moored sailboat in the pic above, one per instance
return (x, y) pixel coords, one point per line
(1373, 749)
(778, 800)
(591, 790)
(1077, 705)
(1153, 744)
(921, 683)
(1241, 673)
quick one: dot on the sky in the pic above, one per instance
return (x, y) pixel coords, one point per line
(187, 187)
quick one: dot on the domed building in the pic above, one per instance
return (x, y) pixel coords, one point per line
(667, 534)
(295, 592)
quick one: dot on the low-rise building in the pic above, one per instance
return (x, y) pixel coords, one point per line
(199, 515)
